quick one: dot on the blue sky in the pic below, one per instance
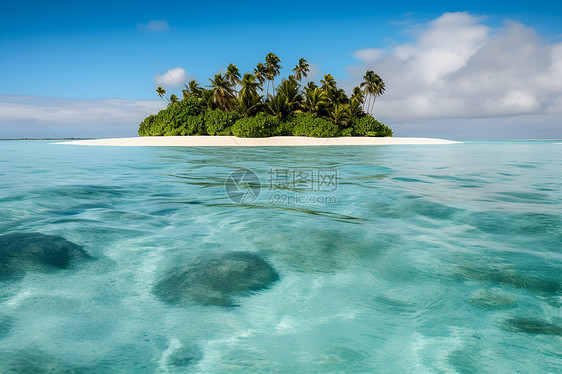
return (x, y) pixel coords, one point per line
(94, 50)
(105, 49)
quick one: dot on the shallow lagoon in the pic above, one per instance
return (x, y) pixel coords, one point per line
(420, 259)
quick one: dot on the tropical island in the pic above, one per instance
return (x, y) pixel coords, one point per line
(251, 106)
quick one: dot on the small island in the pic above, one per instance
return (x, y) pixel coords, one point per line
(250, 106)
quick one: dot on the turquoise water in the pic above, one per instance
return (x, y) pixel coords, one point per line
(421, 259)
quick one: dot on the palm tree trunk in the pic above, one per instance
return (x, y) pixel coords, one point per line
(373, 105)
(368, 102)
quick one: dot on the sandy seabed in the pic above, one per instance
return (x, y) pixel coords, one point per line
(232, 141)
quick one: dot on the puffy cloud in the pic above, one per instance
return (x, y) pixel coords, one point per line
(459, 68)
(368, 55)
(154, 26)
(38, 117)
(172, 78)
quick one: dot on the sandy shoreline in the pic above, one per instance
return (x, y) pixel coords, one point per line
(231, 141)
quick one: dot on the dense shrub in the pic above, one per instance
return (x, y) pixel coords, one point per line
(260, 126)
(346, 132)
(191, 106)
(306, 124)
(180, 113)
(193, 125)
(285, 128)
(226, 132)
(218, 122)
(189, 117)
(368, 126)
(145, 127)
(177, 119)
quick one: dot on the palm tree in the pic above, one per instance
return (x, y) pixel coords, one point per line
(302, 69)
(358, 94)
(293, 79)
(278, 106)
(379, 88)
(355, 108)
(310, 86)
(249, 85)
(367, 84)
(287, 100)
(186, 94)
(373, 87)
(207, 97)
(337, 96)
(232, 75)
(341, 115)
(222, 92)
(272, 68)
(161, 92)
(174, 99)
(194, 87)
(260, 72)
(315, 101)
(249, 102)
(289, 91)
(328, 82)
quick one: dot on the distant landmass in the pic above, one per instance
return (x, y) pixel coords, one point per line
(49, 139)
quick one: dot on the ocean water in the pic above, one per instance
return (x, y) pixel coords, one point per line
(390, 259)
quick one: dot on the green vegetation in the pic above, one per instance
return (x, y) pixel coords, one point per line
(251, 106)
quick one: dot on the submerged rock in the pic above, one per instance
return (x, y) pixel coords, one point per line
(215, 279)
(533, 326)
(20, 252)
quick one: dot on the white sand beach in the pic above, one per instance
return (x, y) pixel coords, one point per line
(232, 141)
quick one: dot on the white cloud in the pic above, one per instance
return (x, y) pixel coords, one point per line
(33, 117)
(154, 26)
(172, 78)
(463, 69)
(368, 55)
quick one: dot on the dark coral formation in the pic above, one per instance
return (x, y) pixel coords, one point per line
(215, 279)
(21, 252)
